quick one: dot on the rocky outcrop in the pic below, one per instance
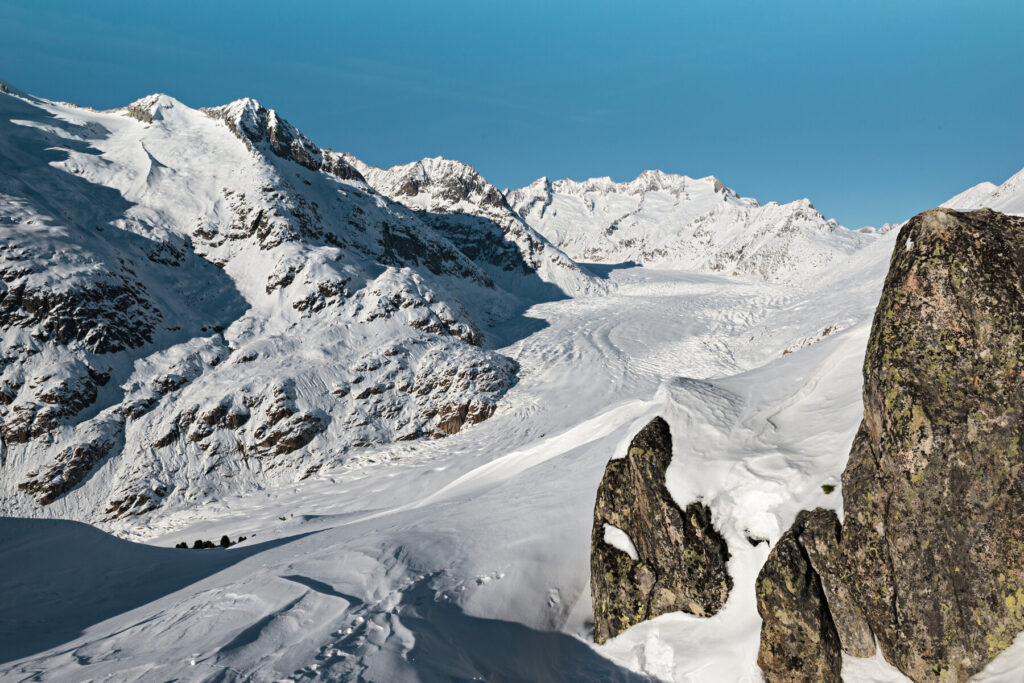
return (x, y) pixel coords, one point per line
(799, 641)
(931, 554)
(256, 125)
(648, 556)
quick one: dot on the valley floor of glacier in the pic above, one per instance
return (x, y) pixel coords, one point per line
(467, 558)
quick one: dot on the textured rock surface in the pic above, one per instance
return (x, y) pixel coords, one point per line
(681, 560)
(934, 489)
(799, 641)
(930, 559)
(820, 539)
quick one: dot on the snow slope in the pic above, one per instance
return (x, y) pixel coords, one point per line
(1007, 198)
(675, 221)
(424, 555)
(195, 302)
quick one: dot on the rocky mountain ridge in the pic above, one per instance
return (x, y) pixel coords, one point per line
(673, 221)
(201, 299)
(456, 200)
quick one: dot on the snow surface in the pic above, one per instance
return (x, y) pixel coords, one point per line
(617, 538)
(425, 560)
(685, 223)
(1007, 198)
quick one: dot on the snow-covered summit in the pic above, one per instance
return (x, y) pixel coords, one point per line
(262, 128)
(1007, 198)
(648, 181)
(663, 219)
(456, 200)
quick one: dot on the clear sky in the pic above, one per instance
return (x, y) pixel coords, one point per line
(873, 109)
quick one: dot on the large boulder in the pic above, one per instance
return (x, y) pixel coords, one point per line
(649, 556)
(799, 641)
(930, 558)
(933, 538)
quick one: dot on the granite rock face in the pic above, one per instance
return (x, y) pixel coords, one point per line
(931, 554)
(934, 488)
(677, 560)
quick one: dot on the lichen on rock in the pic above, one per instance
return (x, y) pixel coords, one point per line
(799, 641)
(934, 530)
(931, 555)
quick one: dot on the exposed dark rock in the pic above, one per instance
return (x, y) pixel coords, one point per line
(102, 316)
(71, 466)
(799, 642)
(820, 539)
(681, 562)
(256, 125)
(930, 558)
(934, 489)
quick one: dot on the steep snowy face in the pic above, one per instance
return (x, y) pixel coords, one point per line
(261, 128)
(675, 221)
(456, 200)
(196, 302)
(1006, 198)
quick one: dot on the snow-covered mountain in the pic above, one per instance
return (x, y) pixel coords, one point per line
(195, 301)
(213, 326)
(674, 221)
(454, 198)
(1006, 198)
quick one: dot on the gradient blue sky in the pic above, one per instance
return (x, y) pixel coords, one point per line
(874, 110)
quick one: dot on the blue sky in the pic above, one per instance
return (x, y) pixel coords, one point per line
(874, 110)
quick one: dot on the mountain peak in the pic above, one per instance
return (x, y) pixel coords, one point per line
(261, 128)
(151, 107)
(9, 89)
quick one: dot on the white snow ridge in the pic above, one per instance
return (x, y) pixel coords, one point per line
(401, 386)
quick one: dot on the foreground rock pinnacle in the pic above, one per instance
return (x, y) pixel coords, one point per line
(666, 559)
(931, 554)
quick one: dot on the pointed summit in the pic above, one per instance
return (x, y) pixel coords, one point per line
(149, 108)
(263, 130)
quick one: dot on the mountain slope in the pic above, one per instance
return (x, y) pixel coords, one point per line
(667, 220)
(202, 301)
(454, 198)
(1006, 198)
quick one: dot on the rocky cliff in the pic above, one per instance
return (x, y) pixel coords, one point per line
(930, 557)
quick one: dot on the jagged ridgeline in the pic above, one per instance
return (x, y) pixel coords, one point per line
(196, 302)
(648, 555)
(929, 560)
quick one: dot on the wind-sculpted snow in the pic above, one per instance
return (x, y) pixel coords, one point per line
(667, 220)
(201, 301)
